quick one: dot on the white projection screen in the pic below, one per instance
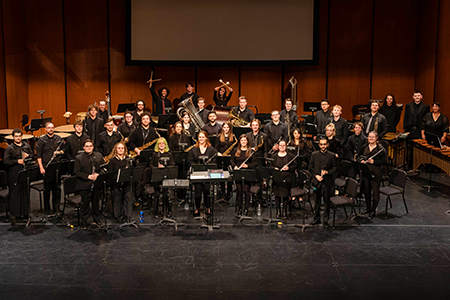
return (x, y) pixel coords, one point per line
(241, 31)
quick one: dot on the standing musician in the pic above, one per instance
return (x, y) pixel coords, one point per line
(161, 158)
(243, 111)
(122, 196)
(87, 169)
(103, 112)
(281, 159)
(161, 105)
(300, 145)
(190, 93)
(289, 114)
(333, 144)
(203, 113)
(374, 161)
(374, 121)
(93, 125)
(323, 165)
(323, 117)
(142, 134)
(107, 139)
(256, 138)
(197, 155)
(414, 113)
(436, 123)
(356, 141)
(220, 96)
(127, 127)
(178, 138)
(276, 131)
(212, 127)
(137, 113)
(240, 160)
(224, 145)
(188, 126)
(392, 112)
(340, 124)
(75, 142)
(15, 155)
(48, 146)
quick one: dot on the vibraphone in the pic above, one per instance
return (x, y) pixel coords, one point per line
(396, 147)
(422, 154)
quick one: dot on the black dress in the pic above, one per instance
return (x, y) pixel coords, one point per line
(279, 162)
(236, 161)
(437, 127)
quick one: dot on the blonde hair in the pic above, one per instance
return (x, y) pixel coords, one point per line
(114, 152)
(331, 125)
(338, 107)
(166, 148)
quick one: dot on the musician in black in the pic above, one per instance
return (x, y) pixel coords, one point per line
(323, 117)
(276, 131)
(137, 113)
(87, 169)
(436, 123)
(178, 140)
(48, 146)
(103, 113)
(190, 93)
(128, 126)
(340, 125)
(283, 161)
(242, 159)
(333, 144)
(289, 114)
(107, 139)
(142, 134)
(374, 121)
(375, 157)
(243, 112)
(226, 138)
(161, 104)
(299, 145)
(202, 112)
(220, 95)
(212, 127)
(15, 158)
(161, 158)
(256, 137)
(200, 154)
(93, 125)
(414, 113)
(356, 141)
(75, 142)
(392, 112)
(188, 127)
(323, 166)
(122, 196)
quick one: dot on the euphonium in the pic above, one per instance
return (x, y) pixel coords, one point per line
(238, 121)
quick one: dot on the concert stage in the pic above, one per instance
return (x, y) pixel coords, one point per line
(404, 256)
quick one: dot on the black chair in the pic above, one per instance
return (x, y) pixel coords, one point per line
(349, 197)
(397, 183)
(303, 188)
(71, 194)
(345, 171)
(4, 190)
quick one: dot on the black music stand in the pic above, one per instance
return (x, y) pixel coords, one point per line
(59, 169)
(363, 171)
(266, 174)
(264, 118)
(26, 176)
(223, 162)
(145, 156)
(175, 184)
(312, 106)
(123, 107)
(180, 158)
(311, 129)
(201, 168)
(238, 131)
(101, 184)
(159, 175)
(244, 175)
(122, 176)
(435, 141)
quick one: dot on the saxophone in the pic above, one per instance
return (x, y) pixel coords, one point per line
(195, 142)
(230, 148)
(110, 155)
(133, 153)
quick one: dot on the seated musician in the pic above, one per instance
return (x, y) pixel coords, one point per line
(276, 131)
(87, 170)
(374, 121)
(243, 112)
(14, 159)
(137, 113)
(75, 142)
(127, 127)
(289, 114)
(93, 125)
(256, 138)
(333, 144)
(220, 96)
(202, 112)
(224, 145)
(356, 141)
(107, 139)
(375, 157)
(161, 104)
(102, 111)
(199, 154)
(122, 196)
(142, 135)
(188, 127)
(178, 140)
(299, 144)
(323, 117)
(190, 93)
(212, 127)
(340, 125)
(241, 159)
(436, 123)
(392, 112)
(161, 158)
(323, 166)
(283, 161)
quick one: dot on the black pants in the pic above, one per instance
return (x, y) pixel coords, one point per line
(123, 202)
(200, 189)
(325, 191)
(51, 186)
(240, 194)
(371, 187)
(86, 198)
(157, 187)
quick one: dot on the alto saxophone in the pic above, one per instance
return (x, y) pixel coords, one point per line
(231, 147)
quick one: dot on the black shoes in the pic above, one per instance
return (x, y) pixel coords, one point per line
(326, 225)
(245, 212)
(315, 222)
(239, 212)
(197, 213)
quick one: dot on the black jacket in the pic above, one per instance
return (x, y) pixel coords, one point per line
(92, 128)
(74, 143)
(83, 168)
(412, 123)
(323, 161)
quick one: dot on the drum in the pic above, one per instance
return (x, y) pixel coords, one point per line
(65, 128)
(63, 135)
(81, 116)
(117, 119)
(25, 137)
(6, 131)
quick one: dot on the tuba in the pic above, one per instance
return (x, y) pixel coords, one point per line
(187, 106)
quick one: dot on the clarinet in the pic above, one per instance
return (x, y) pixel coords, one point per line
(53, 156)
(93, 171)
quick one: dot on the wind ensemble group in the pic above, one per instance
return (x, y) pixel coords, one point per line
(97, 146)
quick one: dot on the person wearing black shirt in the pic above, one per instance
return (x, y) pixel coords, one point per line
(414, 113)
(276, 131)
(299, 145)
(75, 142)
(46, 148)
(333, 144)
(87, 168)
(93, 125)
(323, 166)
(188, 127)
(107, 139)
(15, 155)
(243, 112)
(199, 154)
(161, 104)
(140, 106)
(374, 121)
(202, 112)
(190, 93)
(257, 138)
(122, 196)
(289, 114)
(392, 112)
(212, 127)
(323, 117)
(226, 138)
(127, 127)
(340, 124)
(436, 123)
(178, 140)
(220, 96)
(142, 135)
(356, 141)
(103, 112)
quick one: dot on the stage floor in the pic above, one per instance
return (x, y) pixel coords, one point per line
(403, 256)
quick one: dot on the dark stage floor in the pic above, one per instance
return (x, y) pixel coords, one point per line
(402, 257)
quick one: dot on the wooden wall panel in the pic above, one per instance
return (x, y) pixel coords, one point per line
(3, 106)
(262, 86)
(17, 87)
(208, 79)
(14, 26)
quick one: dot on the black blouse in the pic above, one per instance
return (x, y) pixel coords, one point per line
(221, 101)
(194, 155)
(437, 127)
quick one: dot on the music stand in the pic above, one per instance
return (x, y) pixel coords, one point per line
(238, 131)
(180, 158)
(264, 118)
(435, 141)
(265, 161)
(311, 129)
(364, 172)
(60, 169)
(223, 162)
(244, 175)
(175, 184)
(26, 176)
(312, 106)
(159, 175)
(123, 107)
(145, 156)
(121, 177)
(170, 119)
(265, 173)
